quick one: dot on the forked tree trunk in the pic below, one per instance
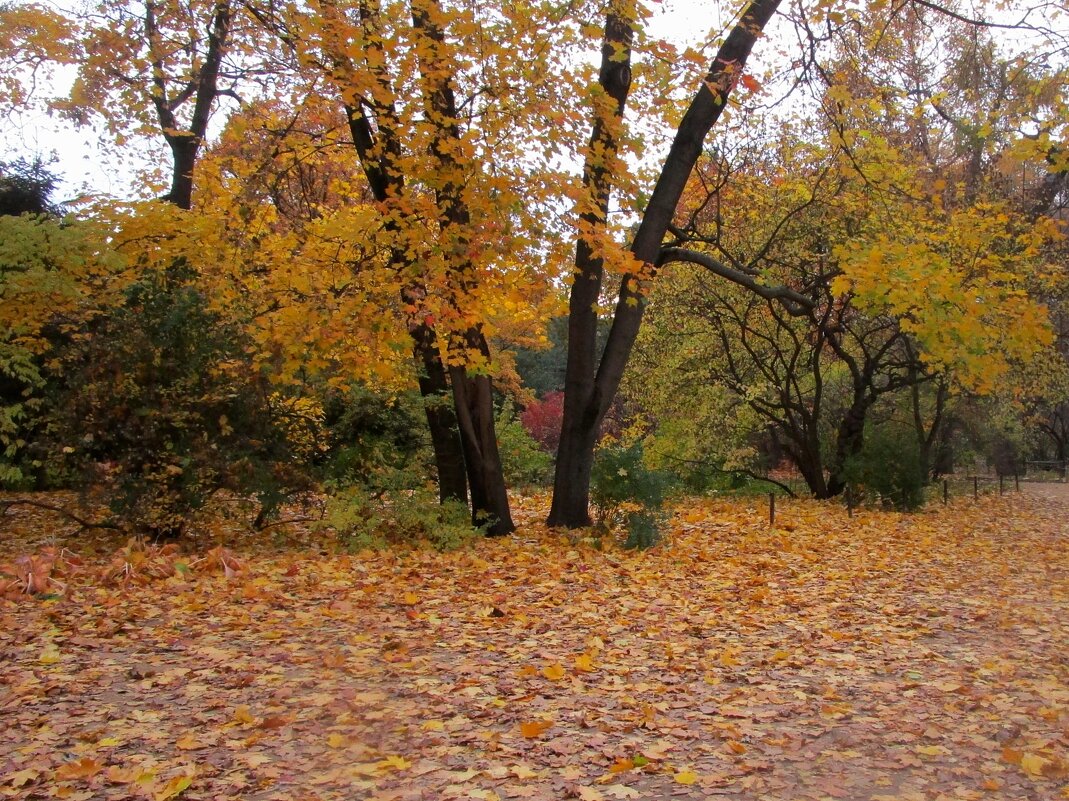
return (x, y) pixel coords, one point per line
(579, 428)
(472, 393)
(589, 394)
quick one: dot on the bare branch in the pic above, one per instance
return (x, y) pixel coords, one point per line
(795, 303)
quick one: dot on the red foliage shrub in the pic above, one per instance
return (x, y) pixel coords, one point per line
(542, 420)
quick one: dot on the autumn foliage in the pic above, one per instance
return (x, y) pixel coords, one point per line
(883, 655)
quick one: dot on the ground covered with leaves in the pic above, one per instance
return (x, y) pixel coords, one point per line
(876, 657)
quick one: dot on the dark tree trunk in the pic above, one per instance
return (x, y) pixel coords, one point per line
(803, 448)
(473, 400)
(441, 420)
(580, 425)
(849, 440)
(472, 394)
(588, 394)
(184, 158)
(380, 153)
(204, 88)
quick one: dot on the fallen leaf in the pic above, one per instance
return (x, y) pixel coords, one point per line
(534, 728)
(554, 672)
(686, 777)
(84, 768)
(174, 788)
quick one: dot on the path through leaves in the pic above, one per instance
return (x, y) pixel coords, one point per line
(881, 657)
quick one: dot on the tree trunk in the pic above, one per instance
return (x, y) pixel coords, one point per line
(473, 401)
(849, 441)
(379, 153)
(588, 395)
(184, 158)
(575, 453)
(472, 394)
(185, 143)
(441, 420)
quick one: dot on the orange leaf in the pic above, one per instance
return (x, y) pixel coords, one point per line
(584, 663)
(174, 788)
(534, 728)
(751, 83)
(554, 672)
(84, 768)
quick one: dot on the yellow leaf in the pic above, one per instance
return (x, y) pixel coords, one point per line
(621, 765)
(534, 728)
(584, 663)
(107, 742)
(174, 788)
(930, 750)
(243, 716)
(433, 725)
(686, 777)
(21, 777)
(1033, 765)
(394, 762)
(411, 599)
(49, 656)
(554, 672)
(189, 743)
(336, 740)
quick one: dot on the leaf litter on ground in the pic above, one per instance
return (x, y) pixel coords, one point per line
(882, 657)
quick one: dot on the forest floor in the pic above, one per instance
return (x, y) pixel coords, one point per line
(879, 657)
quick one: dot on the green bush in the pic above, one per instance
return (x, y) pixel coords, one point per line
(370, 433)
(890, 467)
(625, 492)
(156, 402)
(524, 462)
(395, 513)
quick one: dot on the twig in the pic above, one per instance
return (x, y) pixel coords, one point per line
(265, 526)
(6, 504)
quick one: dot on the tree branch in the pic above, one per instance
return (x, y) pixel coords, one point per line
(7, 504)
(795, 303)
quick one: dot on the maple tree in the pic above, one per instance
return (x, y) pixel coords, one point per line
(388, 174)
(590, 382)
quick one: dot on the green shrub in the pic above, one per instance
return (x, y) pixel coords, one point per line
(890, 467)
(157, 403)
(625, 492)
(370, 432)
(394, 513)
(524, 462)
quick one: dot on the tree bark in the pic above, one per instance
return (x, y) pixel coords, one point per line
(472, 394)
(589, 394)
(849, 440)
(185, 144)
(579, 427)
